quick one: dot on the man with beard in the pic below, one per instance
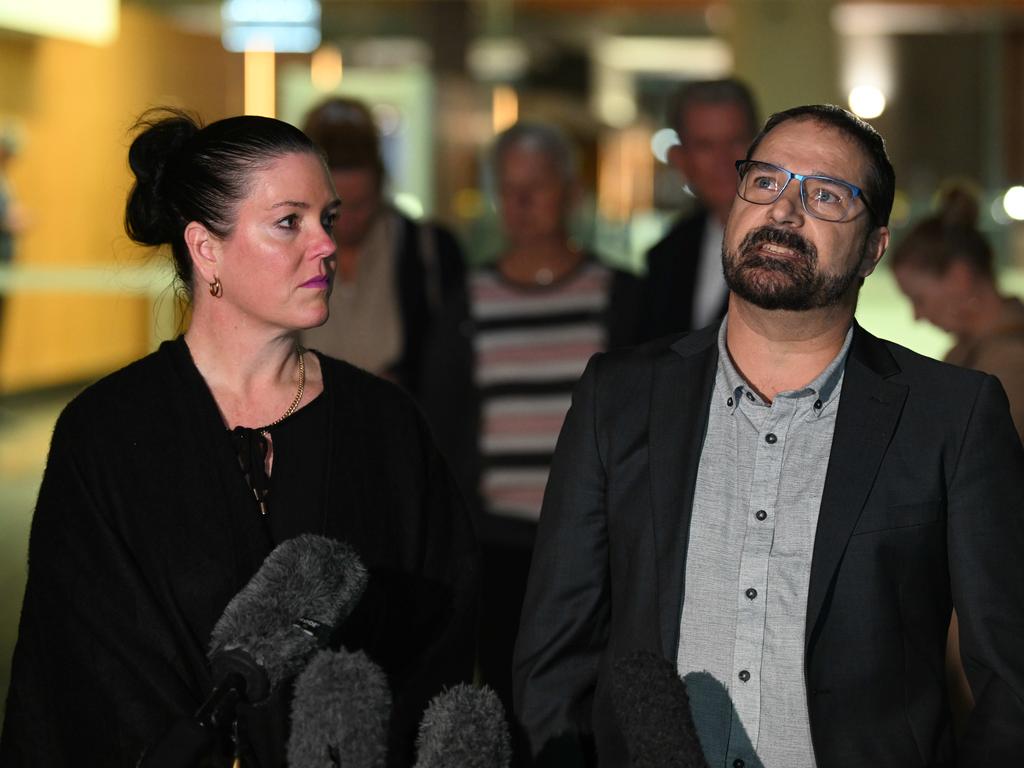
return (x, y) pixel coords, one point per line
(784, 507)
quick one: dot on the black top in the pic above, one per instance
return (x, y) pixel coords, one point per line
(145, 528)
(295, 489)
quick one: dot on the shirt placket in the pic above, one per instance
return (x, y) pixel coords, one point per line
(769, 427)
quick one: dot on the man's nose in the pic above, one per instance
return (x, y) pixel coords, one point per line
(788, 207)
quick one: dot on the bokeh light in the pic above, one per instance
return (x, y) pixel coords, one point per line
(867, 101)
(1013, 203)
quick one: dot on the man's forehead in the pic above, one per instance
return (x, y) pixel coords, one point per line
(830, 145)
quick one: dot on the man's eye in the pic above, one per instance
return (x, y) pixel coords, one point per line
(765, 182)
(827, 196)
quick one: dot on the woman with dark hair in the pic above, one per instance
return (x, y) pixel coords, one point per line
(944, 266)
(170, 481)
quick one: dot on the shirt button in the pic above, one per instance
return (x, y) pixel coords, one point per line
(750, 396)
(751, 593)
(744, 675)
(770, 438)
(729, 402)
(738, 763)
(817, 405)
(761, 515)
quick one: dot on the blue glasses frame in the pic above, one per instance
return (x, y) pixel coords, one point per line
(742, 166)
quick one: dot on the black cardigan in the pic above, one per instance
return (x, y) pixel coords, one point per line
(145, 529)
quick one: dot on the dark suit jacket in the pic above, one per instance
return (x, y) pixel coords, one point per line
(923, 508)
(662, 301)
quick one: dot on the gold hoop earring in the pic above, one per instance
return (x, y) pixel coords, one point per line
(216, 289)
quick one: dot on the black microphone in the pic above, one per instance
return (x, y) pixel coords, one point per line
(340, 713)
(465, 727)
(305, 588)
(653, 710)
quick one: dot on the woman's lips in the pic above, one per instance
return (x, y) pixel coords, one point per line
(320, 281)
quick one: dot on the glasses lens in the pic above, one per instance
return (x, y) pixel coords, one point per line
(827, 198)
(761, 183)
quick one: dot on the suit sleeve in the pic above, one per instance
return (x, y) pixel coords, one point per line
(564, 626)
(986, 542)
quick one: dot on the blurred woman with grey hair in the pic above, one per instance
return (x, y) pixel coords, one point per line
(540, 311)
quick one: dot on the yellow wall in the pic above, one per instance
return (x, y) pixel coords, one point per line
(74, 105)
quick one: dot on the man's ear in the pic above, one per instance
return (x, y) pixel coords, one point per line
(204, 250)
(878, 242)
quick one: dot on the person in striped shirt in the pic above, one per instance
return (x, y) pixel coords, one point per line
(539, 311)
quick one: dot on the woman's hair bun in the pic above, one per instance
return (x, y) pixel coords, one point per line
(958, 206)
(150, 217)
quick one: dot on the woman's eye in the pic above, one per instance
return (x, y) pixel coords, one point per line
(329, 220)
(289, 222)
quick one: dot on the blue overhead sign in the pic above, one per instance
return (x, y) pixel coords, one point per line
(283, 26)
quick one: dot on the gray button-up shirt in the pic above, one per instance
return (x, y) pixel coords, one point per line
(755, 511)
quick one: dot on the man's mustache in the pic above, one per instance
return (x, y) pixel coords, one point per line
(781, 237)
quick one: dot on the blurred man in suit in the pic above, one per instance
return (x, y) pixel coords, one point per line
(684, 288)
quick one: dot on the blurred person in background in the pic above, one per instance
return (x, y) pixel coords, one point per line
(12, 218)
(399, 306)
(540, 311)
(683, 288)
(170, 481)
(944, 265)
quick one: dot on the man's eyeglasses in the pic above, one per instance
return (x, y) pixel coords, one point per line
(822, 196)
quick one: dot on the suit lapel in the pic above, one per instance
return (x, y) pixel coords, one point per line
(869, 408)
(678, 418)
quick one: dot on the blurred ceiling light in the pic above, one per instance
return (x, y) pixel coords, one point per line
(504, 107)
(903, 19)
(85, 21)
(662, 141)
(497, 59)
(260, 82)
(867, 101)
(1013, 203)
(290, 27)
(326, 68)
(694, 56)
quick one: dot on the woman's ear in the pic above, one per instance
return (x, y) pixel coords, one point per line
(203, 248)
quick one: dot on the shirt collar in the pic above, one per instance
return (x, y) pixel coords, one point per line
(824, 387)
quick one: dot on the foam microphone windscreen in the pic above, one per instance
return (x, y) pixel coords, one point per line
(464, 727)
(306, 587)
(340, 713)
(653, 710)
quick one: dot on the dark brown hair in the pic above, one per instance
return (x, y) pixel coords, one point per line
(186, 172)
(345, 131)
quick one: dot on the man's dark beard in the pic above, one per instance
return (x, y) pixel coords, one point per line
(796, 283)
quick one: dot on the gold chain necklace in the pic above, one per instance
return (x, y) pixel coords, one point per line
(298, 395)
